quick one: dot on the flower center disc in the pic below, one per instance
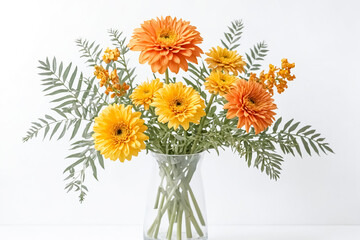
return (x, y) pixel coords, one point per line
(121, 132)
(167, 37)
(178, 106)
(251, 100)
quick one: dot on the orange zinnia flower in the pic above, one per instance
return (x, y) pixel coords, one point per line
(252, 104)
(166, 43)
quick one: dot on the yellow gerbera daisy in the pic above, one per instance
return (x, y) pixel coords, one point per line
(177, 104)
(144, 93)
(219, 83)
(119, 132)
(224, 60)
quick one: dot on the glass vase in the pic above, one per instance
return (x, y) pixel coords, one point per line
(176, 207)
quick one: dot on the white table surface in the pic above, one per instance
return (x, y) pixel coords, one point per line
(134, 232)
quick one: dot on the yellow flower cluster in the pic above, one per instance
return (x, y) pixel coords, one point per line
(110, 81)
(111, 55)
(101, 74)
(277, 77)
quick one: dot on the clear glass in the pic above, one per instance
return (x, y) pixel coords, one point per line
(176, 206)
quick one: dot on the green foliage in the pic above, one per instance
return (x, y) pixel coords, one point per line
(256, 54)
(233, 36)
(260, 150)
(86, 156)
(197, 77)
(90, 51)
(126, 74)
(77, 101)
(288, 139)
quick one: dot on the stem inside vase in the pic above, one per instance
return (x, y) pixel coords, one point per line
(176, 202)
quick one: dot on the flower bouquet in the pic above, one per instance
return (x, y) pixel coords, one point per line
(222, 103)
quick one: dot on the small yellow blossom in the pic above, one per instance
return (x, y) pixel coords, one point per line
(277, 77)
(111, 55)
(110, 81)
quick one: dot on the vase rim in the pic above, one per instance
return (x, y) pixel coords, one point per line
(176, 155)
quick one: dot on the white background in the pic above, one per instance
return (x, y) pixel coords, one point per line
(322, 37)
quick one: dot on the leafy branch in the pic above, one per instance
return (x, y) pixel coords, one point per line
(257, 53)
(289, 140)
(85, 157)
(260, 150)
(263, 145)
(233, 36)
(78, 101)
(197, 77)
(46, 124)
(89, 51)
(119, 42)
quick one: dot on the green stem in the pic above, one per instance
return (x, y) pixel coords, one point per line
(189, 218)
(185, 142)
(186, 187)
(167, 76)
(179, 223)
(169, 210)
(172, 220)
(177, 203)
(159, 217)
(196, 205)
(158, 193)
(161, 212)
(127, 72)
(202, 121)
(164, 207)
(187, 221)
(175, 190)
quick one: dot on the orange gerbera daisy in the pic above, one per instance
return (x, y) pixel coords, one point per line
(166, 43)
(252, 104)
